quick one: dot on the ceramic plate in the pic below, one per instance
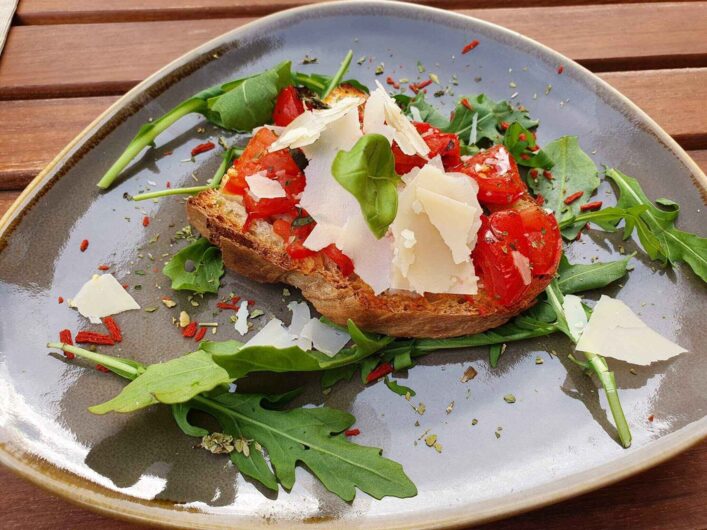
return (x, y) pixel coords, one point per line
(556, 440)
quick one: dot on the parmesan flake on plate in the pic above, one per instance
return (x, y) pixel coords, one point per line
(102, 296)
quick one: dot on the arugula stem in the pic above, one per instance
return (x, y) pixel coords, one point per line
(339, 75)
(98, 358)
(310, 83)
(140, 142)
(171, 191)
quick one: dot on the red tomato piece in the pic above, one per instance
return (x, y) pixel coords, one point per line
(444, 144)
(342, 261)
(544, 240)
(497, 175)
(501, 234)
(287, 106)
(293, 237)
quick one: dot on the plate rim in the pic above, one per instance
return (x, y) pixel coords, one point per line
(82, 492)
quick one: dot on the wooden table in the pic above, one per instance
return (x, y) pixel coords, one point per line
(67, 60)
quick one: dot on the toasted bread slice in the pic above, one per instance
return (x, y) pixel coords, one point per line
(260, 254)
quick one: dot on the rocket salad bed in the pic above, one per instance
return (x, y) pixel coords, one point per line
(263, 438)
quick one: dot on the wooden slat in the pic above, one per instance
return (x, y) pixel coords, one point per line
(89, 11)
(110, 58)
(33, 131)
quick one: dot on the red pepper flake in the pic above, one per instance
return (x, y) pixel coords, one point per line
(146, 221)
(505, 125)
(579, 236)
(473, 44)
(103, 267)
(60, 299)
(571, 198)
(125, 286)
(522, 137)
(226, 306)
(590, 206)
(413, 87)
(392, 82)
(102, 368)
(382, 370)
(84, 245)
(168, 184)
(200, 335)
(465, 102)
(651, 418)
(202, 148)
(352, 432)
(548, 175)
(65, 337)
(560, 69)
(533, 173)
(113, 329)
(525, 156)
(424, 84)
(90, 337)
(540, 199)
(190, 330)
(251, 302)
(534, 148)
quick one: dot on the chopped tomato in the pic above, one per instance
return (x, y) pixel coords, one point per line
(544, 240)
(293, 237)
(500, 236)
(265, 208)
(342, 261)
(278, 165)
(497, 175)
(444, 144)
(287, 106)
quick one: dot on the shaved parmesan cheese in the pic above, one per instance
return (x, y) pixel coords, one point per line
(272, 334)
(102, 296)
(372, 258)
(322, 235)
(264, 188)
(301, 316)
(615, 331)
(306, 128)
(406, 136)
(575, 315)
(522, 263)
(442, 213)
(242, 318)
(374, 116)
(325, 338)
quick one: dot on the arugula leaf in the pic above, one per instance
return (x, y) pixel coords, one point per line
(399, 389)
(520, 143)
(489, 116)
(495, 352)
(207, 263)
(573, 171)
(575, 278)
(241, 109)
(674, 245)
(343, 373)
(174, 381)
(311, 436)
(239, 361)
(424, 111)
(318, 83)
(367, 171)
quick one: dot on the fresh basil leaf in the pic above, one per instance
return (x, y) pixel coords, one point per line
(576, 278)
(367, 171)
(250, 103)
(311, 436)
(674, 245)
(207, 268)
(174, 381)
(573, 171)
(399, 389)
(489, 116)
(520, 143)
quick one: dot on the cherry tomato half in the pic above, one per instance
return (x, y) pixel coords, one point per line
(444, 144)
(287, 106)
(544, 240)
(293, 237)
(342, 261)
(497, 175)
(501, 236)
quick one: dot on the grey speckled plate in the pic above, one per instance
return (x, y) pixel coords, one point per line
(556, 440)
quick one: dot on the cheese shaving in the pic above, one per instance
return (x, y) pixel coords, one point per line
(405, 135)
(102, 296)
(264, 188)
(615, 331)
(241, 324)
(325, 339)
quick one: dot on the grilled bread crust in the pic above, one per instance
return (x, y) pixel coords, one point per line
(260, 255)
